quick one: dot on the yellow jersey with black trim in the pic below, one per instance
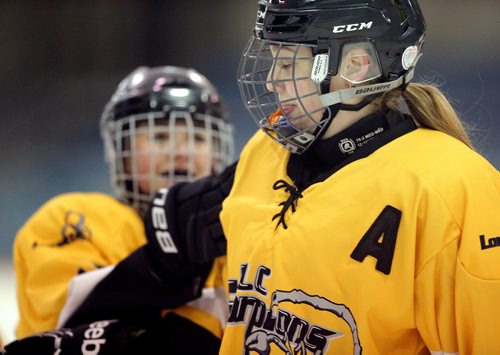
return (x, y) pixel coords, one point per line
(79, 232)
(395, 253)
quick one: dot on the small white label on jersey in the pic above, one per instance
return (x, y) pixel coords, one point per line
(347, 146)
(320, 68)
(409, 56)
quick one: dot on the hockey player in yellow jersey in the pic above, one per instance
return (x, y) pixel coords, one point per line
(162, 126)
(376, 229)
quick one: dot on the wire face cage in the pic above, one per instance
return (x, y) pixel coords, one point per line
(278, 89)
(152, 150)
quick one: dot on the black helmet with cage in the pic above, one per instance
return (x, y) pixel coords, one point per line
(156, 102)
(390, 31)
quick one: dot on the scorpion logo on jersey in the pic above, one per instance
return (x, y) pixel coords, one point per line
(274, 324)
(74, 229)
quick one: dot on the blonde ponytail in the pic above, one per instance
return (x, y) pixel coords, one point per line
(430, 108)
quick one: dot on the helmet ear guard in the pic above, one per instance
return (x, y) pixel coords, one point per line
(373, 45)
(359, 63)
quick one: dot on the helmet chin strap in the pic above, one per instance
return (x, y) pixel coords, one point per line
(340, 96)
(328, 115)
(359, 106)
(333, 101)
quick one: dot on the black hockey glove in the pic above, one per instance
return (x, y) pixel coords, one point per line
(183, 227)
(104, 337)
(172, 334)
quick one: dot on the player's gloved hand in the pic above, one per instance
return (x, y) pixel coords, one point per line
(183, 227)
(104, 337)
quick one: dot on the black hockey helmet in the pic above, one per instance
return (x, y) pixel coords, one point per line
(165, 89)
(391, 30)
(161, 101)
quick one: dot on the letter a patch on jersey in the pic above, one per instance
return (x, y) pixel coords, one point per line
(380, 240)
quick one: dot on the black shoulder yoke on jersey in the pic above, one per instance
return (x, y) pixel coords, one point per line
(327, 156)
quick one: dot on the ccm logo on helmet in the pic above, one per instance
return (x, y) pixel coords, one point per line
(160, 223)
(92, 343)
(353, 27)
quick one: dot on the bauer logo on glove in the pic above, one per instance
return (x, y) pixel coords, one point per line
(160, 223)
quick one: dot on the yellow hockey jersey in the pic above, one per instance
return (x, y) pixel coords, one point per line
(395, 253)
(79, 232)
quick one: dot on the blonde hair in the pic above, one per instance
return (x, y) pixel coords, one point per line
(429, 107)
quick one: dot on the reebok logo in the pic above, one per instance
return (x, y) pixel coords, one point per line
(93, 338)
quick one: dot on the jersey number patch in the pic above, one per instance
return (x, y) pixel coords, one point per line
(380, 240)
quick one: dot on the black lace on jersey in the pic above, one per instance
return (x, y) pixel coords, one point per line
(291, 201)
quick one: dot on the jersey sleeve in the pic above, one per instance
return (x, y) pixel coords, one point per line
(70, 234)
(458, 288)
(477, 289)
(140, 299)
(211, 310)
(133, 290)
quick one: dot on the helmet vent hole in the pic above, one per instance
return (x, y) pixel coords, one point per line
(287, 23)
(393, 53)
